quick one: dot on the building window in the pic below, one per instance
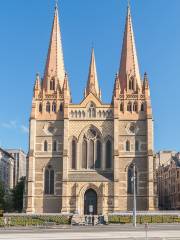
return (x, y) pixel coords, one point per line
(73, 154)
(40, 107)
(127, 146)
(121, 107)
(54, 146)
(61, 108)
(48, 107)
(84, 154)
(135, 107)
(92, 111)
(131, 83)
(108, 154)
(52, 84)
(137, 145)
(177, 174)
(91, 155)
(49, 181)
(129, 107)
(45, 146)
(142, 107)
(98, 155)
(54, 107)
(130, 188)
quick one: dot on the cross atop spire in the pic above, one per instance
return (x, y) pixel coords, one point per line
(55, 62)
(129, 67)
(92, 84)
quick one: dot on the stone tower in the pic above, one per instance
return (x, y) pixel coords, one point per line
(81, 155)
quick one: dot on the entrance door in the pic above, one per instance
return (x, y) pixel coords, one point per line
(90, 202)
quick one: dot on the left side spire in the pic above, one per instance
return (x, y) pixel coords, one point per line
(55, 62)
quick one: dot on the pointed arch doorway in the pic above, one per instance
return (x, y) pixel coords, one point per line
(90, 202)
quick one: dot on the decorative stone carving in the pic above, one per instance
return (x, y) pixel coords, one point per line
(49, 128)
(132, 128)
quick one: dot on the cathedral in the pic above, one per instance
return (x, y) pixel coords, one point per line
(81, 156)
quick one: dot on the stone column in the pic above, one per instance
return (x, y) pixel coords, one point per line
(65, 194)
(150, 165)
(116, 157)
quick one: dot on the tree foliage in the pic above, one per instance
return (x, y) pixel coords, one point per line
(18, 195)
(2, 193)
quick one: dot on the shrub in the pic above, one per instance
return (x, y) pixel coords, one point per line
(142, 219)
(36, 220)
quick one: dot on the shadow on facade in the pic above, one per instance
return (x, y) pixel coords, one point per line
(52, 185)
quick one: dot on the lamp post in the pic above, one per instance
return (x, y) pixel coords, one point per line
(134, 195)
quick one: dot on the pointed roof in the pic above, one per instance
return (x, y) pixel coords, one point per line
(55, 62)
(129, 60)
(92, 84)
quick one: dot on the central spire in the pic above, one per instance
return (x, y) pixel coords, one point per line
(55, 62)
(92, 84)
(129, 62)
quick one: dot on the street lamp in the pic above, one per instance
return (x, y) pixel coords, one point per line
(134, 194)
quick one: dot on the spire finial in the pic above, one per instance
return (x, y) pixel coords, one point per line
(56, 4)
(55, 61)
(129, 62)
(92, 84)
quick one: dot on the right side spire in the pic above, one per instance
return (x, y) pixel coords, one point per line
(129, 69)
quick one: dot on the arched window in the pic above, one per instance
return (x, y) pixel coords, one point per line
(98, 155)
(48, 107)
(52, 84)
(142, 107)
(79, 114)
(54, 107)
(61, 108)
(135, 107)
(84, 154)
(121, 107)
(92, 111)
(137, 145)
(75, 114)
(91, 155)
(128, 146)
(73, 154)
(130, 174)
(45, 146)
(108, 154)
(100, 114)
(131, 83)
(46, 182)
(129, 107)
(83, 114)
(49, 181)
(54, 146)
(40, 107)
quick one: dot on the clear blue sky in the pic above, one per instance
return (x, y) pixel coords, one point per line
(25, 30)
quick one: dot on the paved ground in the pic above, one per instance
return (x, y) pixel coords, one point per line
(155, 232)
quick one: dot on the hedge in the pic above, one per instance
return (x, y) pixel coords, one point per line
(35, 220)
(142, 219)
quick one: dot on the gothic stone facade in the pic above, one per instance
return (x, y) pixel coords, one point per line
(82, 154)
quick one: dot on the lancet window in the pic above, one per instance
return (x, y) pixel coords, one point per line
(49, 181)
(92, 111)
(108, 154)
(52, 84)
(130, 186)
(91, 150)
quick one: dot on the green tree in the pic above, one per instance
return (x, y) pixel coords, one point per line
(2, 193)
(18, 195)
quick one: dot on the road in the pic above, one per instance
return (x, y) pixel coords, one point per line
(155, 232)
